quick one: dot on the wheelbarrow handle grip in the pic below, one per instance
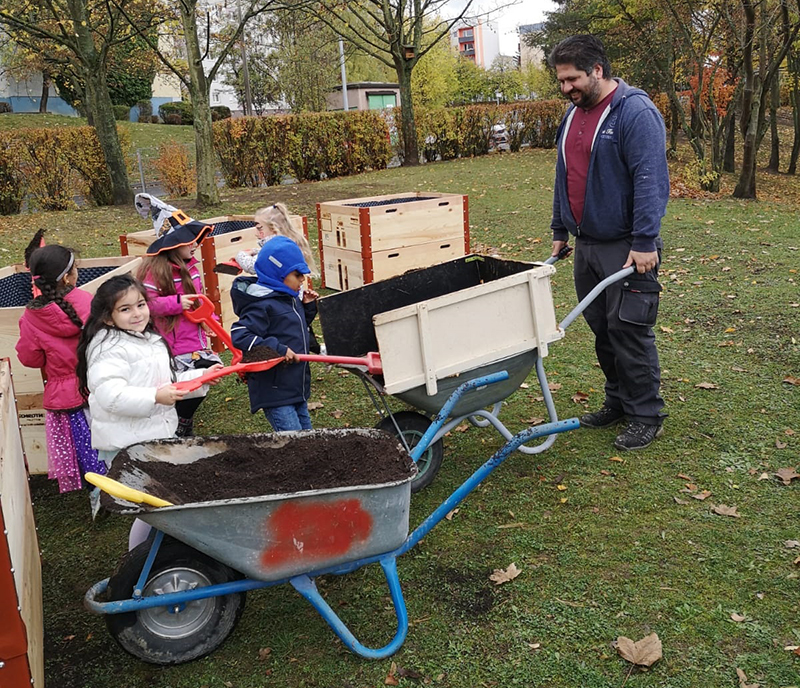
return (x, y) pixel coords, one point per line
(563, 253)
(592, 295)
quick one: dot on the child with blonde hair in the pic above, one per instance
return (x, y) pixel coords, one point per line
(274, 220)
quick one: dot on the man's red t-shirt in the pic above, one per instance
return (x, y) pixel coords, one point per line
(578, 152)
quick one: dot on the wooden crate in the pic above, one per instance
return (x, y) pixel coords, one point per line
(22, 632)
(363, 240)
(232, 233)
(14, 294)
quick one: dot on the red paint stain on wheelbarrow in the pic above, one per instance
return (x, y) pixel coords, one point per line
(315, 532)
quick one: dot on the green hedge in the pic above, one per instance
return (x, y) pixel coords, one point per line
(456, 132)
(122, 113)
(260, 150)
(181, 108)
(51, 166)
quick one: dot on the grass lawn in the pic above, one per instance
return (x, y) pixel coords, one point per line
(626, 549)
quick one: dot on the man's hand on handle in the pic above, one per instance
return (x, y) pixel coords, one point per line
(644, 261)
(558, 246)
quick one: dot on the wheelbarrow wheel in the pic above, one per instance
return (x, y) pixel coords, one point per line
(413, 426)
(162, 635)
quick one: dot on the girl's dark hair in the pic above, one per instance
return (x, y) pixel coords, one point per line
(158, 270)
(49, 265)
(100, 318)
(583, 52)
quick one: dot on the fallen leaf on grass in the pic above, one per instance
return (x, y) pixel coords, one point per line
(683, 502)
(683, 476)
(511, 525)
(618, 459)
(780, 445)
(532, 421)
(738, 618)
(534, 646)
(402, 672)
(644, 652)
(555, 386)
(706, 385)
(668, 330)
(790, 379)
(743, 680)
(524, 385)
(764, 476)
(500, 576)
(391, 679)
(791, 544)
(337, 413)
(462, 428)
(788, 432)
(724, 510)
(786, 475)
(314, 405)
(705, 494)
(450, 514)
(263, 653)
(580, 397)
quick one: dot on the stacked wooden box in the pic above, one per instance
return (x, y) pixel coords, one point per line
(363, 240)
(232, 233)
(15, 292)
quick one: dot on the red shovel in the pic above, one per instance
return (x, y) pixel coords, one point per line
(204, 313)
(372, 361)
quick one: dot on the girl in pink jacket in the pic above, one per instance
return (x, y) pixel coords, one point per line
(49, 330)
(170, 276)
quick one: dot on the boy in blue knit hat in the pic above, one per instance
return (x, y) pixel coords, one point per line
(274, 311)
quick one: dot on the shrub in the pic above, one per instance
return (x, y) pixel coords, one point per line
(219, 112)
(145, 111)
(122, 113)
(13, 181)
(5, 107)
(173, 118)
(181, 107)
(175, 169)
(52, 181)
(154, 119)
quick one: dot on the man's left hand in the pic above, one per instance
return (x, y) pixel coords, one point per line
(644, 262)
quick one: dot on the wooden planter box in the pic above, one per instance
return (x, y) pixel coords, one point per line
(363, 240)
(15, 292)
(22, 635)
(232, 233)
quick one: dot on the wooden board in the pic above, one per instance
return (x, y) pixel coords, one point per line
(460, 331)
(19, 537)
(28, 381)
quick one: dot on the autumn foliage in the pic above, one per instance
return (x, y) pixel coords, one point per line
(51, 166)
(261, 150)
(175, 170)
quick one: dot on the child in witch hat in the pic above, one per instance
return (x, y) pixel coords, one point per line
(170, 275)
(272, 313)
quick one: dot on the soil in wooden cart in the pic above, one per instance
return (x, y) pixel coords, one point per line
(248, 468)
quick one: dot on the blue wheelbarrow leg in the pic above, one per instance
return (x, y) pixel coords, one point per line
(308, 589)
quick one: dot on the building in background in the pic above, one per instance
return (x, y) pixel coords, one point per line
(365, 95)
(529, 55)
(476, 40)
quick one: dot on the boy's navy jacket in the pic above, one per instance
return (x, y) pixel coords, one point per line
(279, 321)
(627, 185)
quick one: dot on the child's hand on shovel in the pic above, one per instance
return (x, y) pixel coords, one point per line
(169, 394)
(216, 366)
(290, 356)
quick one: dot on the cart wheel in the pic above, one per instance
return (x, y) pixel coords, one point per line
(162, 635)
(413, 426)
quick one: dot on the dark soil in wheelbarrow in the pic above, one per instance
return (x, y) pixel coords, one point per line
(254, 465)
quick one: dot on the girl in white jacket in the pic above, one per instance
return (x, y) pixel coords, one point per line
(125, 369)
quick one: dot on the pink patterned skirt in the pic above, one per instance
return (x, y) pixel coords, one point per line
(69, 449)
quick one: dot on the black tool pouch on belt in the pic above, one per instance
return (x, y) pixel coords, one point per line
(639, 304)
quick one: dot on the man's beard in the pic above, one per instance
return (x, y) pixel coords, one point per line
(590, 96)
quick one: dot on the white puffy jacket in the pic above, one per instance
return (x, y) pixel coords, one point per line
(124, 371)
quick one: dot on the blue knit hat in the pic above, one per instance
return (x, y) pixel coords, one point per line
(279, 257)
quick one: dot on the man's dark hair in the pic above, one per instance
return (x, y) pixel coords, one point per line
(583, 52)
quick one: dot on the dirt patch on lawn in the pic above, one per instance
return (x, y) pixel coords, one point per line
(255, 465)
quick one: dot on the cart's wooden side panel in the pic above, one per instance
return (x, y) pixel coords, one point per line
(450, 334)
(21, 633)
(28, 383)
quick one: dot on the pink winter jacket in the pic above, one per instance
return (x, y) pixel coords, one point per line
(187, 336)
(48, 339)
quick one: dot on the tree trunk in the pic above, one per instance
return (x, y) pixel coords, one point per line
(729, 161)
(796, 122)
(746, 186)
(199, 88)
(98, 103)
(409, 126)
(45, 92)
(775, 102)
(675, 125)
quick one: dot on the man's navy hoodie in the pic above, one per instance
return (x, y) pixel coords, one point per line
(627, 185)
(279, 321)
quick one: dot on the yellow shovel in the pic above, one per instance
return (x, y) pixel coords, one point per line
(117, 489)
